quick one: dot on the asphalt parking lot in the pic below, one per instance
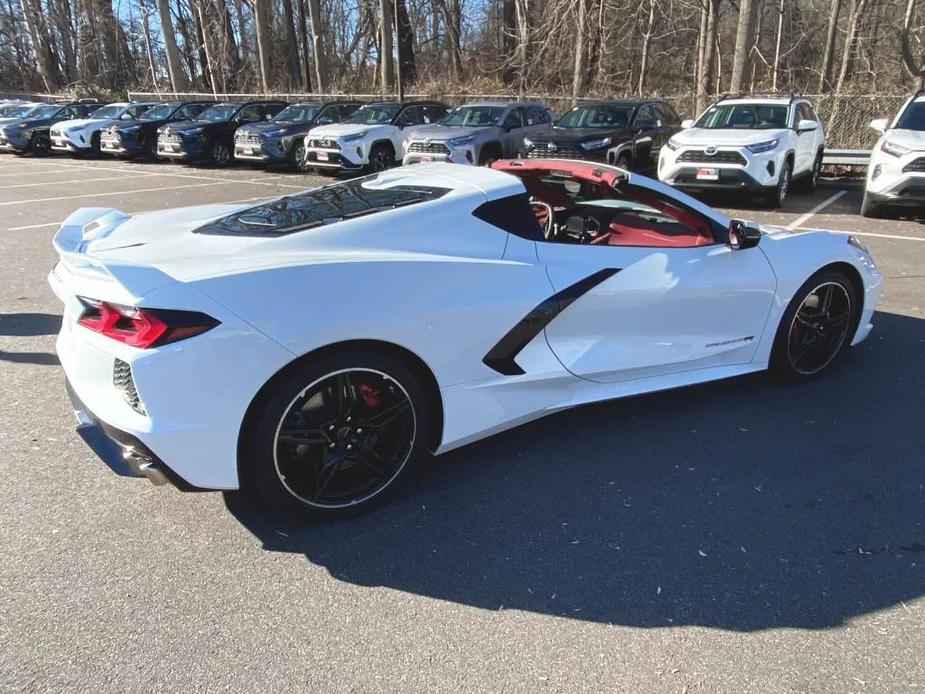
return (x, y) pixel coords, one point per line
(739, 536)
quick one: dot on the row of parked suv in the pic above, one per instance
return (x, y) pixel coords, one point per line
(763, 144)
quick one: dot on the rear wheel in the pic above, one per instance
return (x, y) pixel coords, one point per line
(816, 326)
(337, 436)
(809, 182)
(776, 196)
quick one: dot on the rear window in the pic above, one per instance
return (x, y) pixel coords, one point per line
(320, 207)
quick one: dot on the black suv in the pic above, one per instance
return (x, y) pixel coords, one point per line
(282, 140)
(210, 135)
(139, 137)
(31, 133)
(628, 133)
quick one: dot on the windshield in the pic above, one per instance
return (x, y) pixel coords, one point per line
(111, 111)
(913, 118)
(217, 113)
(596, 117)
(376, 114)
(744, 117)
(474, 116)
(298, 113)
(321, 206)
(159, 112)
(15, 111)
(43, 111)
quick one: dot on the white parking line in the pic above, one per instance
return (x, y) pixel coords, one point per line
(138, 174)
(35, 173)
(106, 195)
(803, 218)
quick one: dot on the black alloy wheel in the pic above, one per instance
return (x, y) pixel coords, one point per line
(337, 436)
(297, 156)
(221, 154)
(816, 327)
(380, 158)
(39, 145)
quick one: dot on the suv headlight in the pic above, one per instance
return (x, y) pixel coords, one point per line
(760, 147)
(460, 141)
(355, 137)
(596, 144)
(672, 145)
(894, 149)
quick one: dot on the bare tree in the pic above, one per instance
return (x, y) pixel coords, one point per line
(262, 28)
(745, 29)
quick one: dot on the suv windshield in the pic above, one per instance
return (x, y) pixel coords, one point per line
(159, 112)
(298, 113)
(321, 206)
(474, 116)
(744, 116)
(374, 115)
(595, 117)
(44, 111)
(15, 111)
(217, 113)
(913, 118)
(111, 111)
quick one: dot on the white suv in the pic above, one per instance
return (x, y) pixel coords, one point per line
(896, 173)
(754, 143)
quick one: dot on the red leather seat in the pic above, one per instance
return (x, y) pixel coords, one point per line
(633, 230)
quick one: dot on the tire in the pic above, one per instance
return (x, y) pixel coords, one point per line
(39, 145)
(775, 197)
(488, 155)
(219, 154)
(624, 161)
(95, 146)
(381, 157)
(297, 157)
(801, 352)
(150, 148)
(324, 477)
(869, 208)
(809, 183)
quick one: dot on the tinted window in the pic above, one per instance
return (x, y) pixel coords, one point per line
(744, 116)
(159, 112)
(251, 113)
(474, 116)
(321, 206)
(600, 116)
(374, 114)
(217, 113)
(434, 113)
(645, 118)
(913, 118)
(410, 115)
(513, 119)
(44, 111)
(136, 110)
(538, 115)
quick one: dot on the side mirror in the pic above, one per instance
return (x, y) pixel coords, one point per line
(880, 124)
(688, 123)
(269, 116)
(807, 126)
(743, 235)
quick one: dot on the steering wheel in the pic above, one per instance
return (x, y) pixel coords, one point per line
(545, 208)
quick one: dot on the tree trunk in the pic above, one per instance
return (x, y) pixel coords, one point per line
(209, 64)
(304, 53)
(744, 33)
(508, 34)
(829, 51)
(581, 39)
(705, 86)
(262, 28)
(644, 53)
(43, 56)
(146, 32)
(61, 11)
(245, 46)
(780, 33)
(174, 70)
(858, 8)
(292, 49)
(314, 17)
(406, 45)
(386, 65)
(914, 65)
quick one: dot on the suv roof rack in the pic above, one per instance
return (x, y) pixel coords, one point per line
(760, 95)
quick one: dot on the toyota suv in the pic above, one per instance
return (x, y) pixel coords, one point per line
(139, 137)
(627, 133)
(82, 135)
(30, 133)
(210, 135)
(747, 142)
(282, 140)
(896, 172)
(370, 138)
(477, 133)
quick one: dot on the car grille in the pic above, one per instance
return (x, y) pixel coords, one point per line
(542, 149)
(322, 143)
(124, 382)
(428, 147)
(915, 166)
(721, 157)
(169, 138)
(247, 139)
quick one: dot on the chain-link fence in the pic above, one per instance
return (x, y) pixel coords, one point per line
(846, 117)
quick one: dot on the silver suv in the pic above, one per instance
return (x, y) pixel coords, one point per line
(478, 133)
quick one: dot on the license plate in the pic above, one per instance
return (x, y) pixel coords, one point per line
(707, 174)
(322, 156)
(108, 144)
(423, 159)
(247, 150)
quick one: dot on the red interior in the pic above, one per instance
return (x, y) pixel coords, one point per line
(625, 227)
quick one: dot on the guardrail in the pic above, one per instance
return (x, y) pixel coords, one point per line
(846, 157)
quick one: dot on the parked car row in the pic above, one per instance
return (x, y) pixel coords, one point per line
(765, 144)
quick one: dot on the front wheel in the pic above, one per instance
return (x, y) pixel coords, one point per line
(337, 436)
(816, 327)
(869, 208)
(39, 145)
(220, 154)
(297, 157)
(380, 158)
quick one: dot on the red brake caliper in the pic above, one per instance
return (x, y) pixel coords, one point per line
(372, 400)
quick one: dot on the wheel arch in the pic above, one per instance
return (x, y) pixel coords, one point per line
(386, 142)
(857, 284)
(411, 360)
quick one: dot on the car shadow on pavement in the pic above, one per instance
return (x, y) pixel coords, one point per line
(29, 324)
(741, 505)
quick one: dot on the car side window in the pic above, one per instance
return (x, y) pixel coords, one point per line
(644, 117)
(535, 115)
(137, 110)
(330, 114)
(410, 115)
(514, 119)
(433, 113)
(666, 115)
(270, 110)
(347, 109)
(249, 114)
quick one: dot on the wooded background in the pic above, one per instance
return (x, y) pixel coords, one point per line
(572, 48)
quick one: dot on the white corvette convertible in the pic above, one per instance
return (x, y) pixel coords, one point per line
(314, 347)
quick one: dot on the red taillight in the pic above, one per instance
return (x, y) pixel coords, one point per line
(143, 327)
